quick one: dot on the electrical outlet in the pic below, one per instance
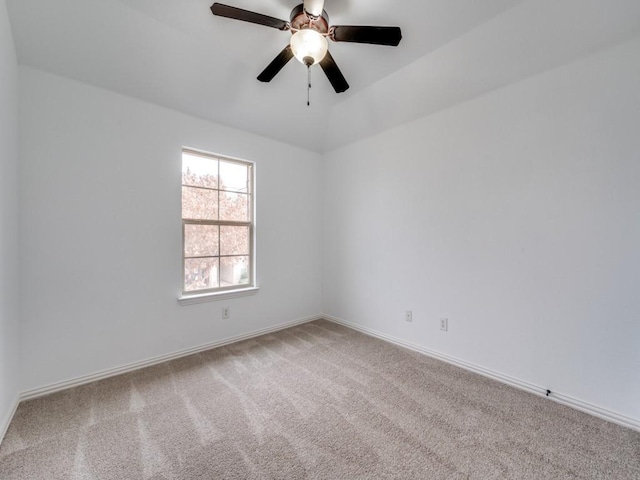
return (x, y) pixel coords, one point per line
(408, 316)
(444, 324)
(225, 312)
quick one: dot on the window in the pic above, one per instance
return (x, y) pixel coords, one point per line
(217, 223)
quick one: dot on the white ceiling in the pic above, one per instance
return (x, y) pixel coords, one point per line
(175, 53)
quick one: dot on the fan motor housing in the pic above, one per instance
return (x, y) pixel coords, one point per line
(300, 20)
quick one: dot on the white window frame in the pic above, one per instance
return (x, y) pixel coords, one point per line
(220, 293)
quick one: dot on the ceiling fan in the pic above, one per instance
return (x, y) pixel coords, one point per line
(309, 25)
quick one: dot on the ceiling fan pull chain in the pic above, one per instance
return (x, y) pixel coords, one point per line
(308, 85)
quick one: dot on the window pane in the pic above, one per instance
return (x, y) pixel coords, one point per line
(199, 204)
(201, 241)
(200, 273)
(234, 207)
(199, 171)
(217, 213)
(234, 271)
(234, 240)
(234, 176)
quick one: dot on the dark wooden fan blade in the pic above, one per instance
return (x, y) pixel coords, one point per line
(374, 35)
(247, 16)
(334, 74)
(276, 65)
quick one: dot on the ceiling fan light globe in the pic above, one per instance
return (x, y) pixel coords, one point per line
(307, 44)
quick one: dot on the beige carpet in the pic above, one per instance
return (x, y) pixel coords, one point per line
(314, 401)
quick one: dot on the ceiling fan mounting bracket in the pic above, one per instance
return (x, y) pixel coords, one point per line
(300, 20)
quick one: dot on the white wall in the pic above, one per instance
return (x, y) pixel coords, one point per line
(101, 231)
(515, 215)
(9, 328)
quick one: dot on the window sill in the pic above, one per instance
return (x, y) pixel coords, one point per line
(216, 296)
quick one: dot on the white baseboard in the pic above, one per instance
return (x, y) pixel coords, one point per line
(520, 384)
(74, 382)
(4, 423)
(567, 400)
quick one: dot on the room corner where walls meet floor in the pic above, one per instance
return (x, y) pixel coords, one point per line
(513, 382)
